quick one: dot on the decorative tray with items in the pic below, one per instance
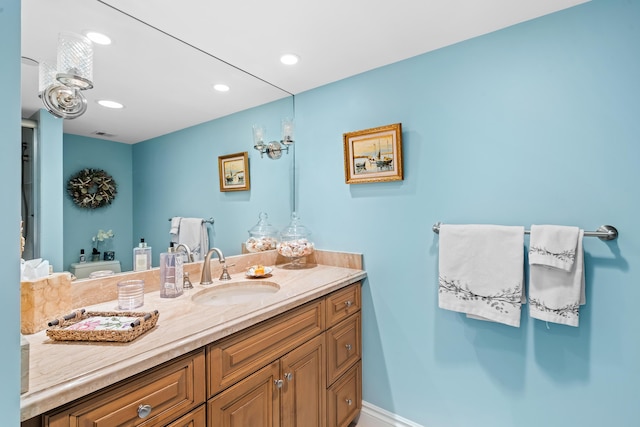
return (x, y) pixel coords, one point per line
(111, 326)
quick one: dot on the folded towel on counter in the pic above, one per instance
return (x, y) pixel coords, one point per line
(175, 228)
(481, 271)
(193, 233)
(553, 246)
(555, 295)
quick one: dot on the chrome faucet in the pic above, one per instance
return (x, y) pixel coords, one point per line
(205, 279)
(187, 251)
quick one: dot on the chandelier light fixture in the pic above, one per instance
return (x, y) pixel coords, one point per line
(60, 86)
(274, 149)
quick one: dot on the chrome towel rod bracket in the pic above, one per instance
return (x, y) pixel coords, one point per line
(604, 232)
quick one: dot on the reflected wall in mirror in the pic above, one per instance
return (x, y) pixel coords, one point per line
(162, 152)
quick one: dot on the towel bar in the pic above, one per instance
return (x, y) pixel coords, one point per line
(210, 220)
(604, 232)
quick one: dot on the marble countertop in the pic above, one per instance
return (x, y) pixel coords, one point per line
(61, 372)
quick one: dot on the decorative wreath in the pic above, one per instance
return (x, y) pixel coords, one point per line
(92, 188)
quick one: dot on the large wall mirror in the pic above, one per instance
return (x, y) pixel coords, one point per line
(173, 127)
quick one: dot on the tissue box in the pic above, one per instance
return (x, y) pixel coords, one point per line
(43, 300)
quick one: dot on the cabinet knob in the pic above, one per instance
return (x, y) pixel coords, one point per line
(278, 383)
(349, 401)
(144, 411)
(348, 347)
(348, 303)
(288, 376)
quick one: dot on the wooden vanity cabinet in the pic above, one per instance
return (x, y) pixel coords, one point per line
(282, 372)
(301, 368)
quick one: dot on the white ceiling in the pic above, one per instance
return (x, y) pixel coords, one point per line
(167, 54)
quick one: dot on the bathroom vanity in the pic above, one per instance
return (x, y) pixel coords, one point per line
(291, 357)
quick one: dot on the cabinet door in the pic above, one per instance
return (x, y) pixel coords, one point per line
(303, 392)
(344, 347)
(344, 398)
(195, 418)
(253, 402)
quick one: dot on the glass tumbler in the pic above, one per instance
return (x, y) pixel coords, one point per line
(130, 294)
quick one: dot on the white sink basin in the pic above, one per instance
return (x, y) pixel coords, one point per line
(234, 293)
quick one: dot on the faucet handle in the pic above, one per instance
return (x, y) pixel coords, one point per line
(187, 281)
(225, 274)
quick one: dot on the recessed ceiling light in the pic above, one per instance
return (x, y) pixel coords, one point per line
(97, 38)
(109, 104)
(289, 59)
(221, 87)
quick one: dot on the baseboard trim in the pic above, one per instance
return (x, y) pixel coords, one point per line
(373, 416)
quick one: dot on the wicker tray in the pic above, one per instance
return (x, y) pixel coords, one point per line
(111, 326)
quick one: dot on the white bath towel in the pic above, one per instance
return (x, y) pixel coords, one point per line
(553, 246)
(481, 271)
(175, 228)
(193, 233)
(556, 295)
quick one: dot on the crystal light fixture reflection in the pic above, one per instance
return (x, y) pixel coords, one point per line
(60, 86)
(273, 149)
(62, 101)
(75, 61)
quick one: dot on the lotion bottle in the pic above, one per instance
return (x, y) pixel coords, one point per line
(171, 274)
(142, 256)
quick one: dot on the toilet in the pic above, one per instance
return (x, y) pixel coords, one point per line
(83, 270)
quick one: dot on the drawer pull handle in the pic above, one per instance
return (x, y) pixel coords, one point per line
(349, 401)
(144, 411)
(348, 303)
(278, 383)
(348, 347)
(288, 376)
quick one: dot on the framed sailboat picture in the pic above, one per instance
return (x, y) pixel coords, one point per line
(373, 155)
(234, 172)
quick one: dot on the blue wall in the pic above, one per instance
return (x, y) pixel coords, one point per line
(10, 214)
(537, 123)
(50, 192)
(177, 175)
(80, 225)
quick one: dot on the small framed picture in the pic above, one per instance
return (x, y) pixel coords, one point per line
(373, 155)
(234, 172)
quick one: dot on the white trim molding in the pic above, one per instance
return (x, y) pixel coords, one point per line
(373, 416)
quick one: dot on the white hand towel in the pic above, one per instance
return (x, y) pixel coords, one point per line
(553, 246)
(481, 271)
(175, 228)
(556, 295)
(193, 233)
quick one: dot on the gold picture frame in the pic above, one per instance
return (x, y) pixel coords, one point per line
(233, 170)
(373, 155)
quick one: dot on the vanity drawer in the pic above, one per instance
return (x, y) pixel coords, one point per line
(343, 303)
(162, 394)
(344, 398)
(344, 346)
(233, 358)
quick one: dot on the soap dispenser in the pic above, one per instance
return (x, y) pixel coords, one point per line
(171, 274)
(142, 256)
